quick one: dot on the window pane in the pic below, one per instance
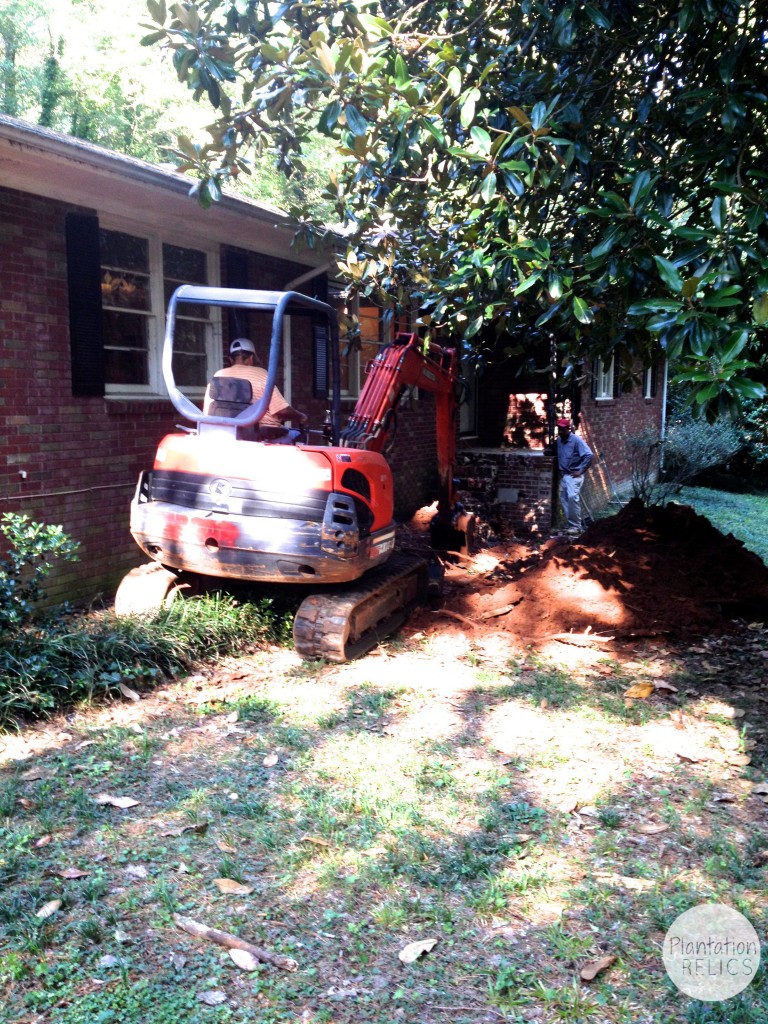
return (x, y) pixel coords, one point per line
(126, 343)
(189, 356)
(189, 370)
(126, 252)
(128, 291)
(184, 266)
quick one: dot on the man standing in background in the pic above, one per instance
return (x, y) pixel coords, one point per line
(573, 459)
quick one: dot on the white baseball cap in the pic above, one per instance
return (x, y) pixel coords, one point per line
(242, 345)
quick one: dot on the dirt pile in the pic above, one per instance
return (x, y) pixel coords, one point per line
(643, 571)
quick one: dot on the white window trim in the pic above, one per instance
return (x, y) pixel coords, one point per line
(648, 382)
(156, 387)
(604, 379)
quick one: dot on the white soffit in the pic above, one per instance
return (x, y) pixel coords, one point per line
(56, 166)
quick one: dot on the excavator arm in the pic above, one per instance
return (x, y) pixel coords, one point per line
(406, 363)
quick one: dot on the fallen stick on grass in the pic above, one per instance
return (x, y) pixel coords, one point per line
(456, 616)
(202, 931)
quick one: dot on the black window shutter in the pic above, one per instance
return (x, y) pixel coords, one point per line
(86, 336)
(616, 384)
(320, 354)
(654, 377)
(595, 376)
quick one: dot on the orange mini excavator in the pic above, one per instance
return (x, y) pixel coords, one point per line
(221, 503)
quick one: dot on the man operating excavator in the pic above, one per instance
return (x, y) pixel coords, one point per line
(245, 367)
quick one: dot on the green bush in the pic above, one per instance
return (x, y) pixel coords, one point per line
(48, 661)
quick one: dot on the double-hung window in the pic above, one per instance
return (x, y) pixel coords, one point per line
(603, 382)
(139, 273)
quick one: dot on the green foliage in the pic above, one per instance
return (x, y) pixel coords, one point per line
(593, 173)
(48, 663)
(32, 549)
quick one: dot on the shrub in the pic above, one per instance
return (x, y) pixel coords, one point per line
(47, 662)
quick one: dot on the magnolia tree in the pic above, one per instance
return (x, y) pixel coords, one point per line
(591, 174)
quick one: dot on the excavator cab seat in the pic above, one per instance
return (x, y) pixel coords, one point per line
(229, 396)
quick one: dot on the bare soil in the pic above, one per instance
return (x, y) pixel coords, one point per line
(643, 572)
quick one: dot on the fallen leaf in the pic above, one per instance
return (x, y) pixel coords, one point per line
(245, 961)
(661, 684)
(123, 802)
(590, 971)
(651, 829)
(690, 758)
(213, 997)
(225, 847)
(724, 798)
(110, 960)
(374, 851)
(760, 789)
(128, 692)
(232, 717)
(230, 887)
(410, 953)
(137, 871)
(270, 760)
(25, 803)
(122, 936)
(72, 873)
(35, 774)
(48, 909)
(316, 841)
(197, 830)
(640, 691)
(42, 841)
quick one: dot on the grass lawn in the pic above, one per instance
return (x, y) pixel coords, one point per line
(519, 815)
(743, 515)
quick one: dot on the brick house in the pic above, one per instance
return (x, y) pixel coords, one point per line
(92, 245)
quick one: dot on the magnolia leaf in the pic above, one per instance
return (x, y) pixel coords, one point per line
(760, 308)
(664, 687)
(48, 909)
(316, 841)
(669, 274)
(225, 847)
(270, 760)
(356, 123)
(35, 774)
(128, 692)
(582, 312)
(640, 690)
(245, 961)
(325, 58)
(760, 789)
(123, 802)
(42, 841)
(651, 829)
(230, 887)
(410, 953)
(72, 873)
(590, 971)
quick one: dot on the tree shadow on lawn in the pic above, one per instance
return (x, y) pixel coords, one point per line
(527, 839)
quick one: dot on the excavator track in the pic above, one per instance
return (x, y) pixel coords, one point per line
(346, 623)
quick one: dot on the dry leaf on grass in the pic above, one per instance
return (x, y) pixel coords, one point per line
(36, 774)
(48, 909)
(590, 971)
(213, 997)
(72, 873)
(270, 760)
(225, 847)
(639, 691)
(245, 961)
(25, 803)
(651, 829)
(410, 953)
(42, 841)
(123, 802)
(664, 687)
(316, 841)
(128, 692)
(760, 789)
(230, 887)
